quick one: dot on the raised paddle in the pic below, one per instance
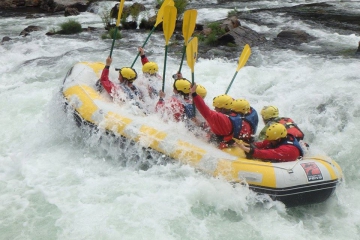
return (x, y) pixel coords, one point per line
(191, 55)
(169, 22)
(188, 28)
(242, 61)
(121, 6)
(159, 19)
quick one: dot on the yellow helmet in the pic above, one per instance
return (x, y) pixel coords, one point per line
(201, 91)
(150, 67)
(276, 131)
(269, 112)
(241, 106)
(223, 101)
(128, 74)
(182, 85)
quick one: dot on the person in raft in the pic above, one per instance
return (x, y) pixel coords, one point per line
(224, 123)
(270, 115)
(179, 106)
(125, 89)
(152, 80)
(249, 119)
(196, 120)
(200, 89)
(278, 146)
(200, 121)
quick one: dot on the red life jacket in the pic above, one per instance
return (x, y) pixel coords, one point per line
(291, 127)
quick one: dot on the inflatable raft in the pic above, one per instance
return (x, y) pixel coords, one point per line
(306, 181)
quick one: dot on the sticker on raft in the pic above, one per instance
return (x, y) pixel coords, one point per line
(312, 171)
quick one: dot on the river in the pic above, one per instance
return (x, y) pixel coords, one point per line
(57, 184)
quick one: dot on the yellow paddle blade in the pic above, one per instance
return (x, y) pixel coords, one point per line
(169, 22)
(189, 23)
(192, 52)
(160, 15)
(244, 57)
(121, 7)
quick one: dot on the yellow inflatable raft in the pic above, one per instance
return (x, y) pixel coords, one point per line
(306, 181)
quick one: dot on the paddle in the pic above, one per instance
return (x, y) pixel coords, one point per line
(168, 28)
(121, 6)
(159, 19)
(242, 61)
(188, 28)
(191, 56)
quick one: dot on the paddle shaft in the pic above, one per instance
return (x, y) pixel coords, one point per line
(182, 58)
(163, 82)
(159, 19)
(121, 6)
(152, 30)
(113, 42)
(232, 80)
(245, 54)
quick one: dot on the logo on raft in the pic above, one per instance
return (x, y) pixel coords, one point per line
(312, 171)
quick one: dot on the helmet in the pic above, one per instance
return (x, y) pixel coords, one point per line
(201, 91)
(276, 131)
(182, 85)
(223, 101)
(241, 106)
(128, 74)
(269, 112)
(150, 67)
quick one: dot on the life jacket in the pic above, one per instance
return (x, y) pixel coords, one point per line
(188, 107)
(291, 140)
(253, 119)
(189, 110)
(291, 127)
(236, 122)
(132, 93)
(225, 141)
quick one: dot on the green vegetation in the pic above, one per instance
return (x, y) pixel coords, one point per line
(70, 27)
(200, 37)
(216, 32)
(135, 10)
(232, 13)
(231, 45)
(180, 6)
(106, 18)
(111, 33)
(124, 15)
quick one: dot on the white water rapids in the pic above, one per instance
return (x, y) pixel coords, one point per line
(57, 184)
